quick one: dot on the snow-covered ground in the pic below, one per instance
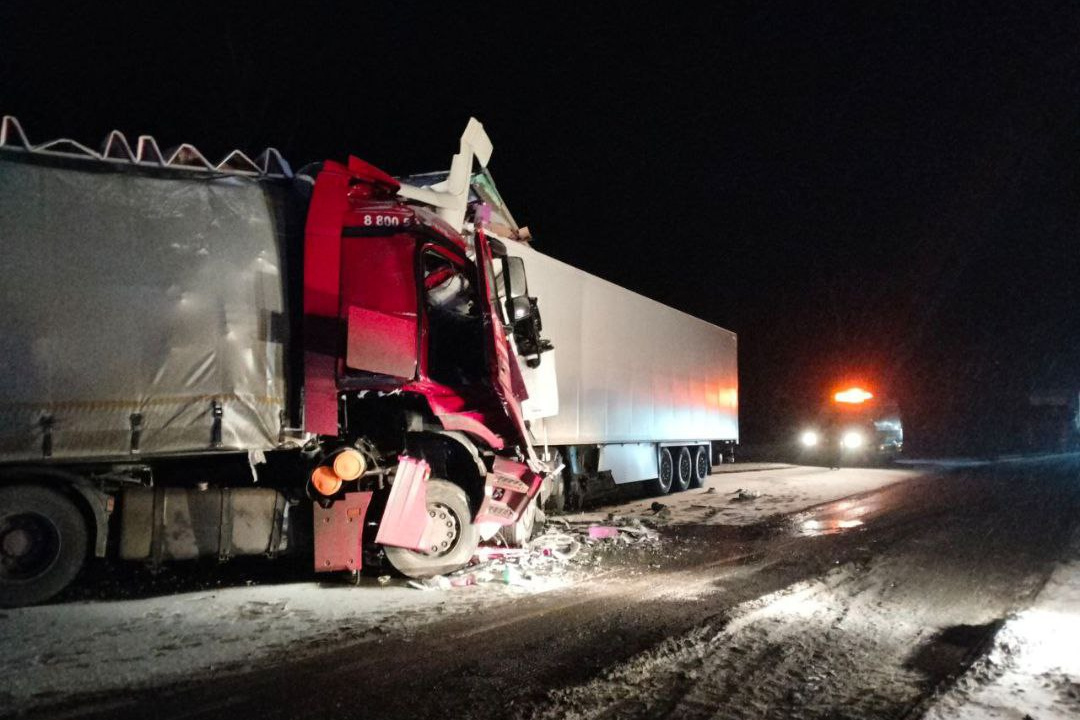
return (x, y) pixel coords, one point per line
(768, 490)
(51, 652)
(1033, 669)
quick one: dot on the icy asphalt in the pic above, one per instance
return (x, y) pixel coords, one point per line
(863, 607)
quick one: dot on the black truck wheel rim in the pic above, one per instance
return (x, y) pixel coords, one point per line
(29, 545)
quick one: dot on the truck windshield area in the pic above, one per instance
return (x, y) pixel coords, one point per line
(454, 325)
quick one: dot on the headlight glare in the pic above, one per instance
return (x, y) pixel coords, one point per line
(852, 440)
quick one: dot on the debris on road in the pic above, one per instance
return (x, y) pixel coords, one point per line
(546, 560)
(742, 495)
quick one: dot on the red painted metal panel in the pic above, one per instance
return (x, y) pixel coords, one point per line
(381, 181)
(322, 266)
(339, 531)
(322, 241)
(381, 343)
(379, 273)
(470, 424)
(508, 490)
(405, 518)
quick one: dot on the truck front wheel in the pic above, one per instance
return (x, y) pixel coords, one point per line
(452, 536)
(43, 541)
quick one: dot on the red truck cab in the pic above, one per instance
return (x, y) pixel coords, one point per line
(408, 360)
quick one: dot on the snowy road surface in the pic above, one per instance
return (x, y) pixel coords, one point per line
(866, 606)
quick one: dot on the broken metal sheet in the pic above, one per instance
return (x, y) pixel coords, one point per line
(507, 491)
(405, 519)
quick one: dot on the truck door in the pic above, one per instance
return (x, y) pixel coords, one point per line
(506, 377)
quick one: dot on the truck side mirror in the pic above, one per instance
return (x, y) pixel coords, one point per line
(517, 285)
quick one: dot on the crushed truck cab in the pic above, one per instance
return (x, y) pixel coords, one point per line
(422, 368)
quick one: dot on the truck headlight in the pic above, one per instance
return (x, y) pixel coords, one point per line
(852, 440)
(809, 438)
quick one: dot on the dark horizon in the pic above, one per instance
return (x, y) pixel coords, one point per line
(889, 194)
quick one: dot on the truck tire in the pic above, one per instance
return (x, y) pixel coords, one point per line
(666, 469)
(556, 499)
(450, 505)
(522, 531)
(684, 470)
(702, 467)
(43, 542)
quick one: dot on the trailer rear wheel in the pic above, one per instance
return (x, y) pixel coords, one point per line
(453, 547)
(701, 466)
(666, 468)
(684, 470)
(43, 541)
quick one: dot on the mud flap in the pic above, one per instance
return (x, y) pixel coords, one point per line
(405, 519)
(339, 532)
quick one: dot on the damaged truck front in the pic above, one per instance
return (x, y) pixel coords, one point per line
(216, 360)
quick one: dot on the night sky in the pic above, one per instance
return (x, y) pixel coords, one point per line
(889, 192)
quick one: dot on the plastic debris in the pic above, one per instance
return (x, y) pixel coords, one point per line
(543, 561)
(742, 495)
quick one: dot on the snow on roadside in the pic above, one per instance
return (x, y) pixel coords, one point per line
(1033, 669)
(54, 651)
(778, 490)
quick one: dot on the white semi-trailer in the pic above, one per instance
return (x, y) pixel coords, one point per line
(644, 392)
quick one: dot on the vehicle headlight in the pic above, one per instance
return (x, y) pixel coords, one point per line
(852, 440)
(809, 438)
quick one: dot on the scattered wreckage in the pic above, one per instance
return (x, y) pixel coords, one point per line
(229, 359)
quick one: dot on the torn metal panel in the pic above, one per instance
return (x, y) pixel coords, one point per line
(406, 519)
(508, 489)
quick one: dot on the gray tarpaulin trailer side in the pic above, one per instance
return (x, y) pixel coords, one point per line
(149, 341)
(142, 312)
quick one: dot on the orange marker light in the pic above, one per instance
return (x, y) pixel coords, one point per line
(325, 481)
(349, 464)
(853, 396)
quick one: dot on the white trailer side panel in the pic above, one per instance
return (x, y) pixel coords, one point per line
(630, 369)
